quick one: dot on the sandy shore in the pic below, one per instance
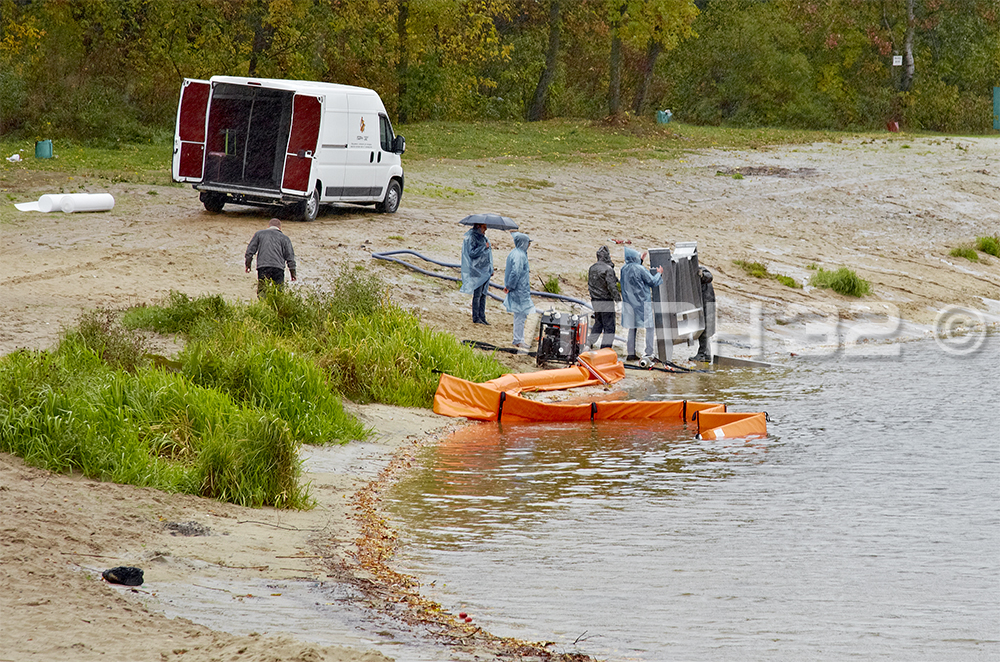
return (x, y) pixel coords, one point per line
(889, 209)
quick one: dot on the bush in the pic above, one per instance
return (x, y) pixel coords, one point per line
(843, 281)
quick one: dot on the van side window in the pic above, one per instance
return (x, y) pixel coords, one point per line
(385, 133)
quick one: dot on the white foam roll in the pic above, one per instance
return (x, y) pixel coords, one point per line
(50, 202)
(87, 202)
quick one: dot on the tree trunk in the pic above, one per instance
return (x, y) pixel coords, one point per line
(652, 54)
(906, 82)
(403, 64)
(262, 36)
(537, 109)
(615, 64)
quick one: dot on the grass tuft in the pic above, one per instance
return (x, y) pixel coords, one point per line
(965, 251)
(102, 332)
(551, 285)
(759, 270)
(989, 245)
(843, 281)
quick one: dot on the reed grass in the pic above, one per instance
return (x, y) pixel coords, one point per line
(843, 281)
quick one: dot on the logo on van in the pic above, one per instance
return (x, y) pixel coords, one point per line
(362, 125)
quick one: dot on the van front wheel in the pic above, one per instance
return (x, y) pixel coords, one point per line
(391, 202)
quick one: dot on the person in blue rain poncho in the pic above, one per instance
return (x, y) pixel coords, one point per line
(517, 286)
(477, 267)
(637, 301)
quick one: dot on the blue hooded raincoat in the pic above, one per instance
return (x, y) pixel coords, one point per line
(515, 277)
(636, 281)
(477, 261)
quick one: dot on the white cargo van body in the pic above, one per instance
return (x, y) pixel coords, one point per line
(264, 142)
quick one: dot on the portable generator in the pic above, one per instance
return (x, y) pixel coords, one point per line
(561, 336)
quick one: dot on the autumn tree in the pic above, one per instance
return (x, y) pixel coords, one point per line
(661, 25)
(537, 109)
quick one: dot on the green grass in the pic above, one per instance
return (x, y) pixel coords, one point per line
(568, 140)
(66, 410)
(966, 252)
(147, 163)
(989, 245)
(225, 419)
(368, 348)
(551, 285)
(558, 140)
(843, 281)
(759, 270)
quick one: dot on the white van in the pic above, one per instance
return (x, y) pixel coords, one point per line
(266, 142)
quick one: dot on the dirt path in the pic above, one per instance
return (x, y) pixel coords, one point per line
(890, 210)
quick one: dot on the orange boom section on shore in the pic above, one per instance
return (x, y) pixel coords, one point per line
(500, 400)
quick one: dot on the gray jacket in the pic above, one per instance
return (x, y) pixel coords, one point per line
(602, 280)
(273, 249)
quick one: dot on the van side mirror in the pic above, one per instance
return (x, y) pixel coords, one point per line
(399, 144)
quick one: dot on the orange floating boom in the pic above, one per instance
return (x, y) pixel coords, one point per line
(499, 400)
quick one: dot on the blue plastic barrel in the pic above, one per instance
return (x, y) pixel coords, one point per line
(43, 149)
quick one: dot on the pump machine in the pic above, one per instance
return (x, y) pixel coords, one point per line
(561, 336)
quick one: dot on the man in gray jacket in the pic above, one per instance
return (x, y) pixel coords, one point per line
(273, 250)
(603, 285)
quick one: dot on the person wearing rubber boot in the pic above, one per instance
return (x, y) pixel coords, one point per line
(708, 299)
(637, 301)
(603, 285)
(477, 267)
(517, 286)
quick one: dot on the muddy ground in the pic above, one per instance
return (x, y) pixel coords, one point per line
(890, 209)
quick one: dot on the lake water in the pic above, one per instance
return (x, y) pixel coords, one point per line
(866, 526)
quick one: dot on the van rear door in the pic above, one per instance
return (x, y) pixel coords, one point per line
(307, 111)
(189, 133)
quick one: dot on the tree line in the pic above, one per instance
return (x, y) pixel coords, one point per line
(110, 70)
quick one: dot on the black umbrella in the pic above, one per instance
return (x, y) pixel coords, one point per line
(491, 221)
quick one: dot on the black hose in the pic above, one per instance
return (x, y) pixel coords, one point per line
(387, 255)
(673, 368)
(488, 347)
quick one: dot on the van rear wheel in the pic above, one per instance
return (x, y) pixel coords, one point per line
(391, 202)
(308, 209)
(214, 202)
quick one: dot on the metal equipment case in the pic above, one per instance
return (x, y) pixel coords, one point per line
(678, 310)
